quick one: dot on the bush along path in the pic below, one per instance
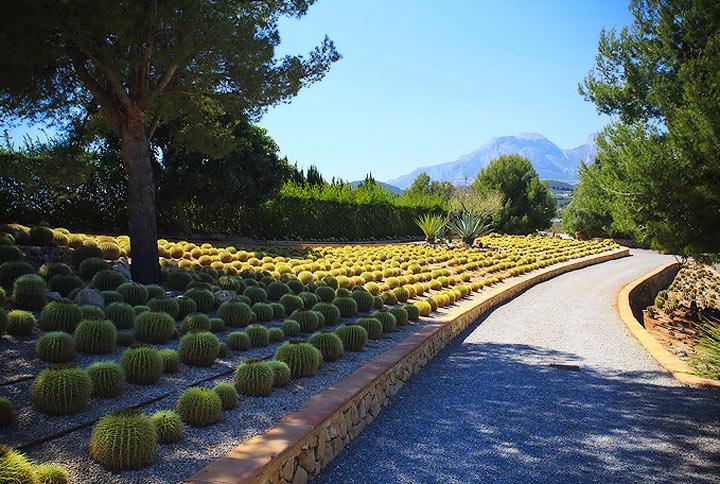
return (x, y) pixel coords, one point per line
(549, 387)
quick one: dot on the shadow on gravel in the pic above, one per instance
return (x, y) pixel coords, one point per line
(493, 412)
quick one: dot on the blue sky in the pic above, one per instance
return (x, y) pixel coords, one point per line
(425, 81)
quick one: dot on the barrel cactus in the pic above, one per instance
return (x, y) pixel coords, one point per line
(55, 347)
(125, 339)
(165, 304)
(259, 335)
(329, 345)
(195, 323)
(143, 365)
(354, 337)
(7, 412)
(11, 270)
(124, 440)
(60, 316)
(168, 426)
(204, 299)
(20, 323)
(278, 310)
(401, 315)
(401, 294)
(302, 358)
(373, 326)
(217, 325)
(134, 294)
(154, 327)
(29, 292)
(121, 314)
(325, 293)
(199, 349)
(254, 377)
(235, 314)
(15, 468)
(228, 395)
(62, 391)
(276, 335)
(387, 319)
(83, 253)
(185, 306)
(238, 341)
(347, 306)
(64, 285)
(307, 319)
(291, 302)
(93, 313)
(276, 290)
(179, 280)
(199, 406)
(52, 269)
(108, 378)
(52, 474)
(412, 311)
(112, 297)
(364, 301)
(107, 280)
(330, 312)
(96, 337)
(153, 290)
(171, 360)
(41, 235)
(281, 373)
(256, 294)
(424, 308)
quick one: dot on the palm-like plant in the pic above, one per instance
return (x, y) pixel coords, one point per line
(431, 225)
(469, 226)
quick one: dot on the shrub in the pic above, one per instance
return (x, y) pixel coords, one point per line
(185, 306)
(20, 323)
(154, 327)
(401, 315)
(329, 345)
(107, 280)
(199, 349)
(235, 313)
(278, 310)
(412, 311)
(238, 341)
(64, 284)
(354, 337)
(204, 299)
(276, 335)
(347, 306)
(276, 290)
(307, 319)
(142, 365)
(165, 304)
(171, 360)
(387, 319)
(195, 323)
(96, 337)
(168, 426)
(15, 468)
(108, 378)
(263, 312)
(302, 358)
(373, 327)
(92, 266)
(281, 373)
(29, 292)
(124, 440)
(134, 294)
(290, 327)
(330, 312)
(217, 325)
(55, 347)
(255, 378)
(62, 391)
(60, 316)
(199, 406)
(325, 293)
(259, 335)
(7, 412)
(364, 301)
(52, 474)
(179, 280)
(291, 302)
(228, 395)
(122, 314)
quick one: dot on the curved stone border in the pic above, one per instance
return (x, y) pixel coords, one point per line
(303, 442)
(636, 296)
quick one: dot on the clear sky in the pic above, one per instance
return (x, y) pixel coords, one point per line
(425, 81)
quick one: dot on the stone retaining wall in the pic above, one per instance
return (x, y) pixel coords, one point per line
(643, 293)
(302, 444)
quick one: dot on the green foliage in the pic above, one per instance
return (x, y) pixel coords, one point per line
(168, 426)
(108, 378)
(142, 365)
(97, 337)
(60, 316)
(169, 305)
(52, 474)
(469, 227)
(62, 391)
(373, 326)
(20, 323)
(259, 335)
(330, 312)
(431, 225)
(7, 412)
(154, 327)
(307, 319)
(64, 284)
(302, 358)
(91, 266)
(235, 314)
(123, 441)
(122, 314)
(254, 378)
(133, 293)
(707, 351)
(15, 468)
(329, 345)
(55, 347)
(347, 306)
(199, 349)
(281, 373)
(238, 341)
(528, 203)
(199, 406)
(29, 292)
(290, 327)
(354, 337)
(11, 270)
(204, 299)
(195, 323)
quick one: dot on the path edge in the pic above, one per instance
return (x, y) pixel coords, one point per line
(303, 442)
(635, 295)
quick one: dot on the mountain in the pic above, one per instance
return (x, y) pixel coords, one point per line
(550, 161)
(386, 186)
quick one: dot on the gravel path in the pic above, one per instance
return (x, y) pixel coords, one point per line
(491, 408)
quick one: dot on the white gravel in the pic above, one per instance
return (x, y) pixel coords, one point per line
(490, 408)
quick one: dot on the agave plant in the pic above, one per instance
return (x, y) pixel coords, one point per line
(469, 226)
(431, 225)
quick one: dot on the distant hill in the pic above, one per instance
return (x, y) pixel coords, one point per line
(387, 186)
(560, 186)
(550, 161)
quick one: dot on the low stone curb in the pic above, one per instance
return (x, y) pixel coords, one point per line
(303, 442)
(640, 293)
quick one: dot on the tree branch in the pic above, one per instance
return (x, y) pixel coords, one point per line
(101, 95)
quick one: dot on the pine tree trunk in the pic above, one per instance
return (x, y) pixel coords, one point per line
(142, 223)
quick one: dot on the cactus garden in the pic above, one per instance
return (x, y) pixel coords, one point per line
(94, 364)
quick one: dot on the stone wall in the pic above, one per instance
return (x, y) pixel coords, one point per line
(643, 294)
(302, 444)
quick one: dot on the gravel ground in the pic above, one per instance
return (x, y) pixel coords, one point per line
(491, 408)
